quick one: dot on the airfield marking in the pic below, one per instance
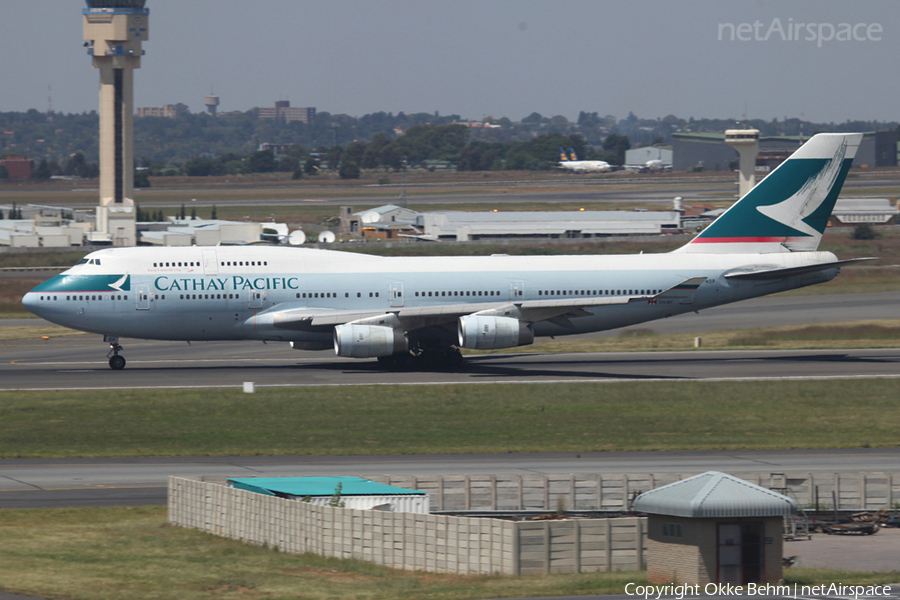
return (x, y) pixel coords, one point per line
(90, 486)
(504, 382)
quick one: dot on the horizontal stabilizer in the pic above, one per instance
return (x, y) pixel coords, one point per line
(766, 273)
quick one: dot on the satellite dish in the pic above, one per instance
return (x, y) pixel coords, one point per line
(326, 237)
(296, 238)
(371, 217)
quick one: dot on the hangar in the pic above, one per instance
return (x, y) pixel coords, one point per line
(465, 226)
(709, 151)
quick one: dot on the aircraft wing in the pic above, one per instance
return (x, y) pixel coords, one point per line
(781, 273)
(530, 311)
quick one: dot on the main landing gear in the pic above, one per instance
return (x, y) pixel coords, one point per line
(422, 358)
(116, 361)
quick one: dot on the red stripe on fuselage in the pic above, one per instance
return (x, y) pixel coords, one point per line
(737, 240)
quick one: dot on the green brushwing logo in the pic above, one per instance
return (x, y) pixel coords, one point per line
(795, 201)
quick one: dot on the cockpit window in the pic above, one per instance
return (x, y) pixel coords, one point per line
(97, 261)
(81, 262)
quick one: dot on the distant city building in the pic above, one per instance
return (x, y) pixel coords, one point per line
(211, 102)
(283, 111)
(170, 111)
(18, 167)
(275, 148)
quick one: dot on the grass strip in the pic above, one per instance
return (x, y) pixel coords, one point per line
(33, 332)
(131, 552)
(128, 552)
(854, 334)
(578, 417)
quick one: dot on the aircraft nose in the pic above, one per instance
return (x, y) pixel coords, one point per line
(30, 302)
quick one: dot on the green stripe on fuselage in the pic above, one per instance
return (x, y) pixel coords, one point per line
(84, 283)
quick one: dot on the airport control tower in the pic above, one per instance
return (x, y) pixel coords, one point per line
(114, 31)
(746, 142)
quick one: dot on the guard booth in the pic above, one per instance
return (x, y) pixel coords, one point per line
(714, 528)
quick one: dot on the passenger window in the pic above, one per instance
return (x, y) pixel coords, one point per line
(376, 294)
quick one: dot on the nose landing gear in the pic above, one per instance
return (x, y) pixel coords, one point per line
(116, 362)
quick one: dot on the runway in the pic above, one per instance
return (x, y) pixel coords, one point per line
(80, 362)
(68, 364)
(43, 483)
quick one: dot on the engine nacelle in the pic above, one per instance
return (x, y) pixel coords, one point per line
(368, 341)
(481, 332)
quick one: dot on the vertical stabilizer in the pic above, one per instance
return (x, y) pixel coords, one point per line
(789, 209)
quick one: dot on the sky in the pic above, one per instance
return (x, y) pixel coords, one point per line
(479, 58)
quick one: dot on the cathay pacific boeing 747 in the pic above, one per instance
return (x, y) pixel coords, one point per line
(399, 308)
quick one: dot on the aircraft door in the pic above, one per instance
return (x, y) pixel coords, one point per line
(257, 298)
(210, 263)
(396, 294)
(517, 290)
(142, 301)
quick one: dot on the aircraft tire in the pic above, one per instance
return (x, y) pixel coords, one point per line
(116, 362)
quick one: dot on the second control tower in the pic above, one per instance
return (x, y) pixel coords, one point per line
(114, 31)
(746, 142)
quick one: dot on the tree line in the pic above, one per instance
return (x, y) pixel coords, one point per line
(228, 143)
(421, 145)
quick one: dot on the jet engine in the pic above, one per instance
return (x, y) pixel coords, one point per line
(481, 332)
(368, 341)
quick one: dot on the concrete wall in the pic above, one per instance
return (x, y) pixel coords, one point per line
(581, 545)
(855, 490)
(433, 543)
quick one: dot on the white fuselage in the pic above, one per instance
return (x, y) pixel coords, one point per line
(232, 293)
(585, 166)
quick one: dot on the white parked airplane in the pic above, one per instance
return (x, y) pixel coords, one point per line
(571, 163)
(402, 307)
(651, 166)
